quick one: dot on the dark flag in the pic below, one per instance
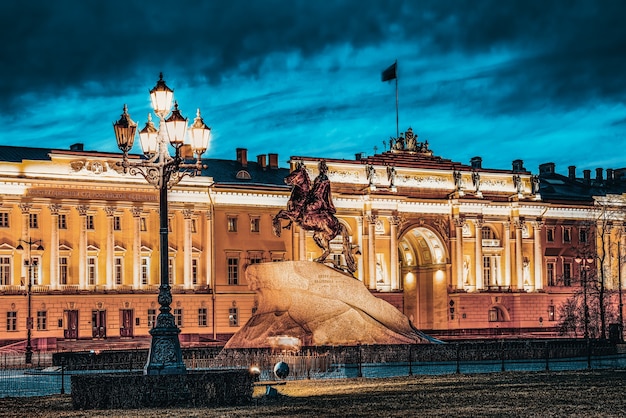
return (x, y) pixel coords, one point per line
(390, 73)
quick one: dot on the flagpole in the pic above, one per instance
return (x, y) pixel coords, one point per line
(397, 123)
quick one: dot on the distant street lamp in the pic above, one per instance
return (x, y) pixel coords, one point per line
(163, 171)
(30, 262)
(584, 263)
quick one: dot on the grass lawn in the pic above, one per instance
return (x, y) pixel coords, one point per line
(597, 393)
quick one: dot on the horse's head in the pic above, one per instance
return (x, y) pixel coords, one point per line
(299, 177)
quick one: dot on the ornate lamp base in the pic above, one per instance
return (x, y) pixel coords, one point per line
(165, 355)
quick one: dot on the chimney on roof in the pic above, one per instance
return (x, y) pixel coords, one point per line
(242, 156)
(273, 160)
(572, 172)
(518, 165)
(261, 161)
(609, 175)
(358, 156)
(76, 147)
(587, 177)
(476, 162)
(546, 168)
(598, 174)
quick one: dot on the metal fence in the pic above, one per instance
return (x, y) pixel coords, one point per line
(50, 373)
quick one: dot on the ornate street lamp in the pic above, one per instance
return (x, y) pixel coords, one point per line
(584, 263)
(163, 170)
(30, 262)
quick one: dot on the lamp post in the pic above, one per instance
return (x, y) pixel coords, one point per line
(29, 319)
(163, 170)
(584, 262)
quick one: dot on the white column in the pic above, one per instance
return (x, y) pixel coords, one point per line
(136, 247)
(479, 253)
(393, 251)
(82, 246)
(359, 222)
(371, 251)
(538, 256)
(208, 249)
(54, 246)
(518, 254)
(24, 277)
(507, 254)
(187, 249)
(110, 249)
(459, 251)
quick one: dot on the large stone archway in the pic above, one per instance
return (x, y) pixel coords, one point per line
(425, 273)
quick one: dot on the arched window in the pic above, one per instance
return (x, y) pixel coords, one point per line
(487, 233)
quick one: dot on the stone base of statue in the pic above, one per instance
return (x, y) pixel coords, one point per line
(319, 306)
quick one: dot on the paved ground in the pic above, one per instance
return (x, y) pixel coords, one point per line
(598, 393)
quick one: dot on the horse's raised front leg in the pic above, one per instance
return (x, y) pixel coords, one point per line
(324, 244)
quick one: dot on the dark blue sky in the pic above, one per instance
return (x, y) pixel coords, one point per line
(533, 80)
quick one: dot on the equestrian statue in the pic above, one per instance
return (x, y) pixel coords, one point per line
(311, 207)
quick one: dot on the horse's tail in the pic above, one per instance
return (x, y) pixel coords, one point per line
(347, 249)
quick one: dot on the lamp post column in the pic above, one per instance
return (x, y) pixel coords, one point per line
(165, 355)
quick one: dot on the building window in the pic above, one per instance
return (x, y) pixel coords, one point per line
(171, 270)
(551, 316)
(567, 274)
(118, 270)
(4, 219)
(11, 321)
(5, 271)
(33, 220)
(202, 317)
(567, 234)
(117, 223)
(195, 263)
(487, 271)
(42, 320)
(255, 224)
(582, 236)
(152, 318)
(233, 317)
(92, 271)
(194, 227)
(145, 270)
(62, 221)
(36, 269)
(178, 317)
(143, 225)
(494, 315)
(233, 270)
(89, 223)
(550, 234)
(232, 224)
(550, 273)
(63, 270)
(255, 257)
(487, 233)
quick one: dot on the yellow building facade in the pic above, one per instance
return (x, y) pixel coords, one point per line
(459, 249)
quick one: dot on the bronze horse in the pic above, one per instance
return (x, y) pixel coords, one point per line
(311, 207)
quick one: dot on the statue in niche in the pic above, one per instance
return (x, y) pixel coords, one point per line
(311, 207)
